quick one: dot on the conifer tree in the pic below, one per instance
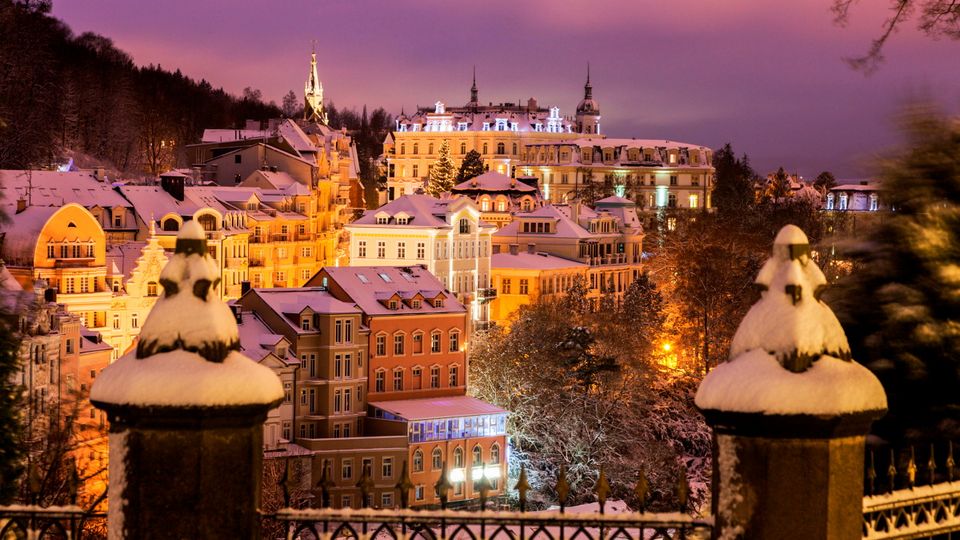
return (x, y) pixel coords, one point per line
(11, 453)
(899, 306)
(471, 166)
(443, 172)
(733, 191)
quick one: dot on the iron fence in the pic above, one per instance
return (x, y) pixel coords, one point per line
(51, 523)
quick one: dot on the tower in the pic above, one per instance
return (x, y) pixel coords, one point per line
(313, 110)
(588, 110)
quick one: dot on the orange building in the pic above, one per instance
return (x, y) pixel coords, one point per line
(417, 379)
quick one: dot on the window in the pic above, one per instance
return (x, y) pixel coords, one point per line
(387, 468)
(524, 287)
(694, 200)
(287, 396)
(397, 380)
(134, 322)
(458, 458)
(346, 501)
(437, 459)
(386, 500)
(874, 202)
(337, 400)
(380, 381)
(346, 469)
(418, 461)
(843, 201)
(673, 179)
(401, 250)
(495, 454)
(435, 377)
(418, 493)
(464, 226)
(435, 342)
(346, 400)
(381, 345)
(421, 250)
(485, 148)
(348, 331)
(418, 343)
(305, 323)
(416, 150)
(829, 201)
(362, 248)
(381, 250)
(438, 302)
(116, 322)
(505, 286)
(454, 341)
(672, 200)
(454, 376)
(416, 169)
(398, 340)
(500, 148)
(463, 145)
(477, 455)
(238, 158)
(337, 366)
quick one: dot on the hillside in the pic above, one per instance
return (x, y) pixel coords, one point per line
(65, 95)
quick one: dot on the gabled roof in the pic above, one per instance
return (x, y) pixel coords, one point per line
(533, 261)
(257, 341)
(565, 227)
(421, 210)
(494, 181)
(286, 302)
(53, 188)
(369, 285)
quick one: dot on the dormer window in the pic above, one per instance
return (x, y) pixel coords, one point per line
(438, 302)
(415, 304)
(461, 126)
(392, 304)
(383, 219)
(305, 322)
(281, 351)
(486, 126)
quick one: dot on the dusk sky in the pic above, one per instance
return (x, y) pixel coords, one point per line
(768, 77)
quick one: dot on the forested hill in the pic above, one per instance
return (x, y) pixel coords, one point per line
(62, 94)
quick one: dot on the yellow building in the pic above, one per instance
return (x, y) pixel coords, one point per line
(499, 132)
(524, 277)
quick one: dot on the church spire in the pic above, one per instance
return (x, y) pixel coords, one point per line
(588, 88)
(473, 89)
(313, 95)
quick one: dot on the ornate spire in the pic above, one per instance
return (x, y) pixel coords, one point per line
(473, 89)
(588, 88)
(313, 95)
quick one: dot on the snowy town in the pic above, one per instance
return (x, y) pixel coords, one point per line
(439, 295)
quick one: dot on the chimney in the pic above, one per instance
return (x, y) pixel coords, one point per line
(514, 249)
(21, 204)
(244, 287)
(237, 310)
(531, 248)
(173, 185)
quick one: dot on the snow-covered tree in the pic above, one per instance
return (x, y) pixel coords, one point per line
(443, 172)
(642, 316)
(11, 451)
(901, 303)
(291, 105)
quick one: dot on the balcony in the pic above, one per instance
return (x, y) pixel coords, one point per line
(255, 262)
(80, 262)
(236, 262)
(257, 239)
(279, 237)
(486, 295)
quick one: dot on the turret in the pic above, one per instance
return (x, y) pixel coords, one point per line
(474, 100)
(588, 110)
(313, 110)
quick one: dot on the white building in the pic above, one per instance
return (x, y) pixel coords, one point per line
(447, 236)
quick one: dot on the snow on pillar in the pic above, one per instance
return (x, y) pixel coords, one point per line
(186, 413)
(790, 411)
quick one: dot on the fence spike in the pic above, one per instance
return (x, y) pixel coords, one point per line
(932, 467)
(325, 484)
(892, 471)
(522, 487)
(912, 469)
(872, 476)
(950, 463)
(683, 489)
(365, 484)
(443, 486)
(602, 489)
(563, 488)
(642, 491)
(404, 485)
(283, 482)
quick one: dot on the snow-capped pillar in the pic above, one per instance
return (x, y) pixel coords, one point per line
(186, 413)
(790, 411)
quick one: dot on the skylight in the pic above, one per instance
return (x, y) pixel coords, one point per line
(362, 278)
(385, 277)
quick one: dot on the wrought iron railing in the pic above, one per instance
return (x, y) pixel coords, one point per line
(907, 500)
(35, 522)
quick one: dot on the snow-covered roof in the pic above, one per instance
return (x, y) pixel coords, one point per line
(53, 188)
(603, 142)
(441, 407)
(532, 261)
(257, 341)
(493, 181)
(122, 258)
(421, 211)
(367, 286)
(289, 303)
(565, 227)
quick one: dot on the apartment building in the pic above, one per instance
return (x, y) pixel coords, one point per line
(499, 196)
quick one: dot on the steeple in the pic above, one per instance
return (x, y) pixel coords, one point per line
(588, 88)
(474, 100)
(313, 110)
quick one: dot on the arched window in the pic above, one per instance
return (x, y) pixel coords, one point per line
(437, 459)
(151, 288)
(500, 148)
(477, 455)
(501, 205)
(208, 222)
(171, 224)
(458, 458)
(485, 205)
(495, 454)
(403, 148)
(463, 148)
(485, 148)
(527, 205)
(418, 461)
(430, 149)
(416, 148)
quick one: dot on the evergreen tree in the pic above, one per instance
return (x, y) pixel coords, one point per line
(11, 451)
(733, 191)
(291, 107)
(442, 173)
(779, 186)
(471, 166)
(575, 301)
(825, 181)
(900, 305)
(643, 316)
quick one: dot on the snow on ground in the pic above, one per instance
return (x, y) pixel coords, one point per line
(182, 378)
(755, 382)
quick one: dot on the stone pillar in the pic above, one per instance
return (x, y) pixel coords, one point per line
(790, 411)
(186, 413)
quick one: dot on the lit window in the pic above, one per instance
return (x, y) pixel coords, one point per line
(454, 341)
(418, 461)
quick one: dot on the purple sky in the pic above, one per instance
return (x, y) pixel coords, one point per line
(768, 77)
